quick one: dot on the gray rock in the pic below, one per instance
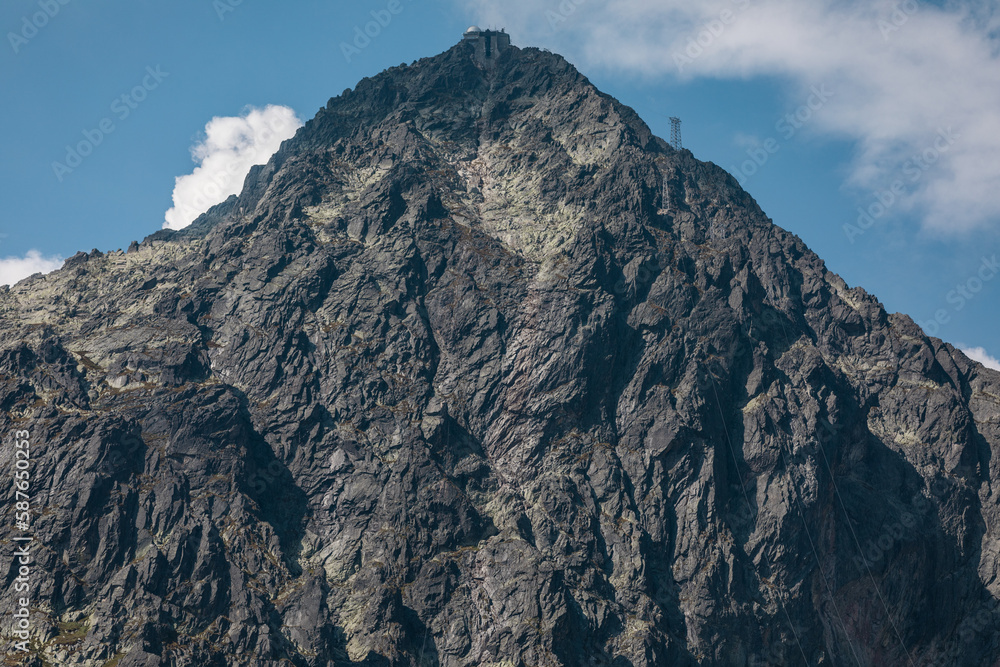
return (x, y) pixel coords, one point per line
(478, 371)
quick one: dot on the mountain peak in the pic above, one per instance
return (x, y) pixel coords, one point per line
(476, 370)
(508, 143)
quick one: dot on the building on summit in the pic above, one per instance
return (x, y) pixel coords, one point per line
(488, 43)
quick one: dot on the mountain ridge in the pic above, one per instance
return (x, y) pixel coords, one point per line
(477, 370)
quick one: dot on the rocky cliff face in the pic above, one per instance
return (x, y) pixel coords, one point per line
(477, 371)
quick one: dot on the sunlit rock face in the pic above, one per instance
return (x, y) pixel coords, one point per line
(478, 371)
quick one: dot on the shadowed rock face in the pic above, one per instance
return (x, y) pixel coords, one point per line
(477, 371)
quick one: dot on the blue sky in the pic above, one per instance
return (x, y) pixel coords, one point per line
(891, 103)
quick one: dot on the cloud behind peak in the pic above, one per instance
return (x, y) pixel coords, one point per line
(230, 147)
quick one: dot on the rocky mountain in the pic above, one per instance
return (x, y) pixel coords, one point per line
(478, 371)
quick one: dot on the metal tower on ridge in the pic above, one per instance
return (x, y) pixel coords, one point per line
(675, 132)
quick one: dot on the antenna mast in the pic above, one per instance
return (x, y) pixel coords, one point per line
(675, 132)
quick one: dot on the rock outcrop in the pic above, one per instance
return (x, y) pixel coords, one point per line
(478, 371)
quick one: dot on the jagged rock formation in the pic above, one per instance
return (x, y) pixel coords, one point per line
(478, 371)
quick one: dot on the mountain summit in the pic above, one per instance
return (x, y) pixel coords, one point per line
(478, 371)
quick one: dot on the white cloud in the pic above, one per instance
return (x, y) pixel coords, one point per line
(982, 356)
(13, 269)
(232, 145)
(900, 71)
